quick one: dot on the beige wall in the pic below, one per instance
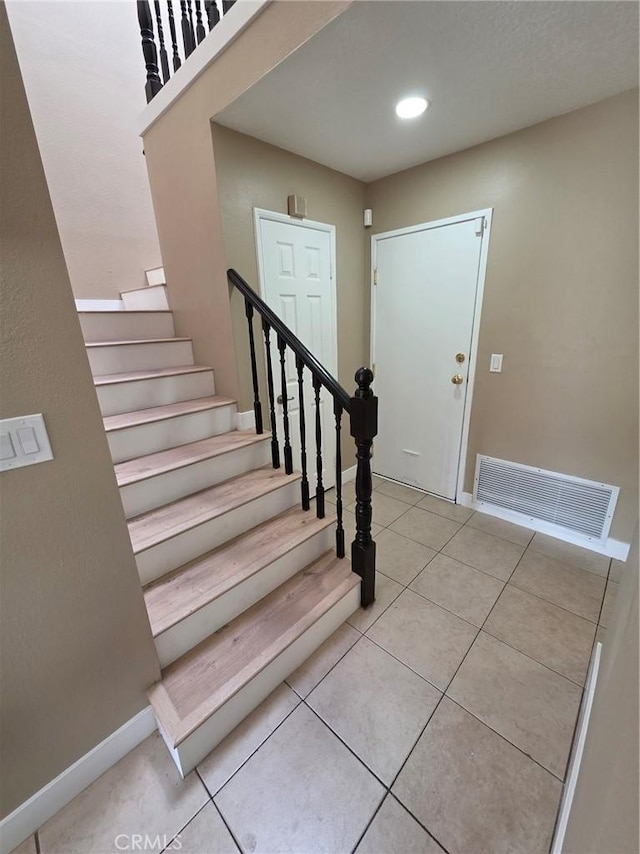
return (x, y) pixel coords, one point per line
(561, 293)
(84, 75)
(76, 646)
(252, 174)
(604, 815)
(180, 160)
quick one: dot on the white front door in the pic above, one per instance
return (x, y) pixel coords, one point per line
(423, 320)
(295, 260)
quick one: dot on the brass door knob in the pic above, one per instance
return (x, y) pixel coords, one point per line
(457, 379)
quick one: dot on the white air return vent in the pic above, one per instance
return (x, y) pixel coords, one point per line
(583, 507)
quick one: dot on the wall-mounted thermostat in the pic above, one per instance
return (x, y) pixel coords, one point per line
(23, 442)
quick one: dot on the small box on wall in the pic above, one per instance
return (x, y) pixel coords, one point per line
(297, 206)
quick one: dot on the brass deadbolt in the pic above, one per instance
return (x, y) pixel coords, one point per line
(460, 357)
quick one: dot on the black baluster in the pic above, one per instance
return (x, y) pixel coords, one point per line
(174, 42)
(164, 60)
(191, 28)
(364, 426)
(153, 84)
(288, 456)
(337, 411)
(304, 486)
(275, 448)
(226, 5)
(213, 16)
(200, 30)
(317, 385)
(187, 40)
(257, 408)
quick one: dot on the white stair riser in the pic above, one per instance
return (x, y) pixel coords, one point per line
(201, 742)
(116, 398)
(150, 298)
(120, 358)
(130, 442)
(182, 637)
(155, 491)
(126, 325)
(172, 553)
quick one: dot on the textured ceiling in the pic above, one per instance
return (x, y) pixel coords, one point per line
(488, 68)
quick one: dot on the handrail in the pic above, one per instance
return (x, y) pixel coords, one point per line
(317, 369)
(362, 409)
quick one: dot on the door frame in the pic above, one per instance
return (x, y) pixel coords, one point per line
(487, 213)
(260, 215)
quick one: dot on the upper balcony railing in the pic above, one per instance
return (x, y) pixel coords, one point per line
(185, 30)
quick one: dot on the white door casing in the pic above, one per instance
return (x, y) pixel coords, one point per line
(296, 264)
(425, 308)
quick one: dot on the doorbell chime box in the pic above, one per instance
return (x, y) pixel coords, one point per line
(297, 206)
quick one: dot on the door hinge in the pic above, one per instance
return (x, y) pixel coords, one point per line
(480, 223)
(375, 277)
(373, 369)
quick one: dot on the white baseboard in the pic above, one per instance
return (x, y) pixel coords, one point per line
(610, 547)
(33, 813)
(99, 305)
(349, 474)
(246, 420)
(576, 758)
(156, 276)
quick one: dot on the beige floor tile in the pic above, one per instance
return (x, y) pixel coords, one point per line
(385, 509)
(475, 792)
(349, 525)
(530, 705)
(348, 493)
(608, 603)
(315, 668)
(456, 512)
(567, 552)
(302, 791)
(238, 746)
(376, 705)
(377, 481)
(387, 590)
(26, 847)
(560, 583)
(401, 558)
(205, 834)
(426, 528)
(490, 554)
(554, 637)
(424, 636)
(399, 491)
(501, 528)
(617, 570)
(601, 634)
(459, 588)
(394, 830)
(143, 794)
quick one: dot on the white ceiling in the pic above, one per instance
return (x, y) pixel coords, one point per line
(488, 68)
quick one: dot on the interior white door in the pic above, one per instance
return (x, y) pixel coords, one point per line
(297, 283)
(424, 304)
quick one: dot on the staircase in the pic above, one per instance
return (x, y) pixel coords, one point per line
(241, 585)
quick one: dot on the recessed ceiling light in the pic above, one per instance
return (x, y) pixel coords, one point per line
(409, 108)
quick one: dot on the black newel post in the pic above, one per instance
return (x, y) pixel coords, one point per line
(364, 426)
(153, 85)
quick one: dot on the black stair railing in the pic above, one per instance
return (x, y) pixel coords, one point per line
(193, 32)
(362, 410)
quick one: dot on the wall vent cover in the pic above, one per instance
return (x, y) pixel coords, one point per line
(584, 507)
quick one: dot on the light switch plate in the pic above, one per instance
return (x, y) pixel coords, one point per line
(23, 442)
(495, 363)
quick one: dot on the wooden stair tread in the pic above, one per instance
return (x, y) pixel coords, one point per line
(151, 374)
(195, 686)
(155, 526)
(127, 341)
(161, 462)
(160, 413)
(190, 587)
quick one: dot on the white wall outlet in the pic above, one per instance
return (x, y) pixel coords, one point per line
(23, 442)
(495, 363)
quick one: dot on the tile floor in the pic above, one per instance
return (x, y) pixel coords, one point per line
(441, 719)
